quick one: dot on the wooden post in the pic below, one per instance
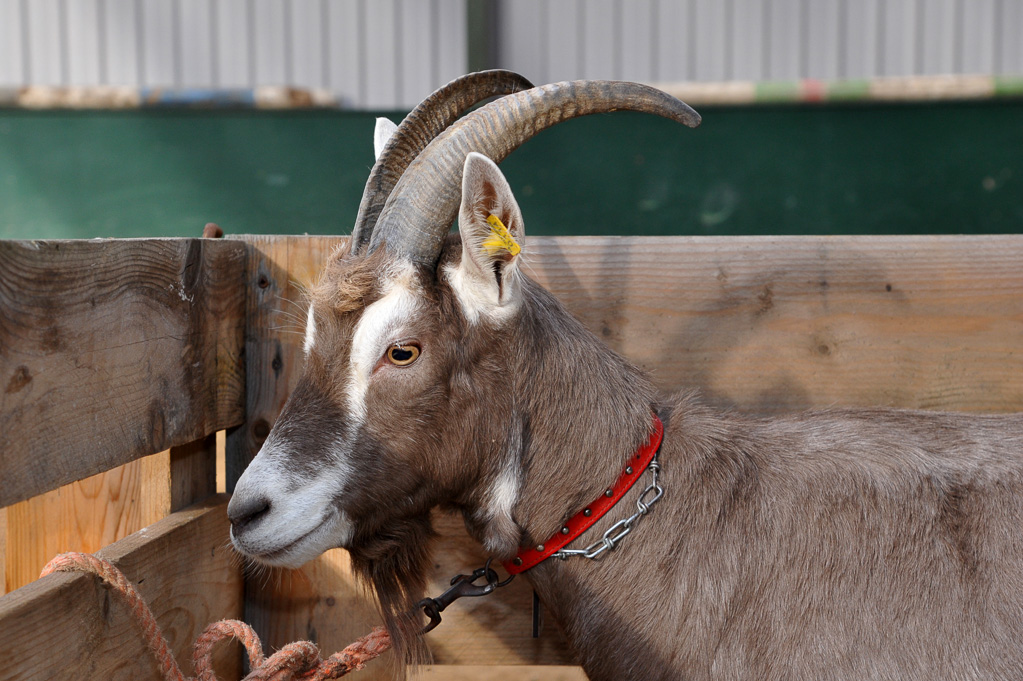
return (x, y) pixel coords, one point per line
(278, 270)
(193, 466)
(193, 472)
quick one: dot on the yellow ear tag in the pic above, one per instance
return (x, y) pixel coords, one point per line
(500, 238)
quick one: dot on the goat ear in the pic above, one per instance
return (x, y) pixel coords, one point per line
(385, 128)
(492, 232)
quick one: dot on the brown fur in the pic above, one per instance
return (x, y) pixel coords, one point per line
(837, 544)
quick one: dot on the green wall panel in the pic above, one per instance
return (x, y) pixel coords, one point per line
(910, 168)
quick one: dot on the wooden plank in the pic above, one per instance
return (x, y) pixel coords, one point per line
(70, 626)
(85, 516)
(763, 324)
(3, 551)
(772, 324)
(111, 350)
(279, 270)
(520, 672)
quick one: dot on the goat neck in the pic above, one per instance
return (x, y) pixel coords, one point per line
(571, 421)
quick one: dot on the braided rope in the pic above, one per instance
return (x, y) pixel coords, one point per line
(299, 661)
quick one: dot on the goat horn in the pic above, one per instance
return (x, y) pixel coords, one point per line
(424, 203)
(433, 115)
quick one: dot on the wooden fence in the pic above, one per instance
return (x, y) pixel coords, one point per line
(114, 350)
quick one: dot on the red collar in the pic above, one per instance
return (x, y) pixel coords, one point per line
(582, 521)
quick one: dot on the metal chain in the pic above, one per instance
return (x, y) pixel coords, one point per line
(617, 532)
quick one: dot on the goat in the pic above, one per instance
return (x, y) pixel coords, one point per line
(840, 544)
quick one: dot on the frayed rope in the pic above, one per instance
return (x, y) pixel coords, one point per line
(299, 661)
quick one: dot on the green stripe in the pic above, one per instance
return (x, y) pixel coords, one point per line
(847, 90)
(779, 91)
(1008, 86)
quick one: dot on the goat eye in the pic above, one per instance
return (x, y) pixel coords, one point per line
(403, 355)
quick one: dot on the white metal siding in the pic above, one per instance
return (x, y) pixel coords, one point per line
(371, 53)
(715, 40)
(390, 53)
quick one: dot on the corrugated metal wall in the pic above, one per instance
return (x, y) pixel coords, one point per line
(389, 53)
(376, 54)
(721, 40)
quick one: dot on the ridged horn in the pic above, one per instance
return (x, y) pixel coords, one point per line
(433, 115)
(424, 203)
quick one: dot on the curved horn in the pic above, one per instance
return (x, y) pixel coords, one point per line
(422, 206)
(433, 115)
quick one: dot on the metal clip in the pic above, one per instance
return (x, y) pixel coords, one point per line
(461, 586)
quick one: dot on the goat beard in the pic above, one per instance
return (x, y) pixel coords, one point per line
(394, 560)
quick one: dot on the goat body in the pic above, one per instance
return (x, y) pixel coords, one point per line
(832, 544)
(835, 544)
(840, 545)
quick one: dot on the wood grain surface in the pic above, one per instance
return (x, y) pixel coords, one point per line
(83, 516)
(279, 271)
(68, 625)
(761, 324)
(111, 350)
(519, 672)
(774, 324)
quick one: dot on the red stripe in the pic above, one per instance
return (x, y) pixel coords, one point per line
(813, 90)
(580, 522)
